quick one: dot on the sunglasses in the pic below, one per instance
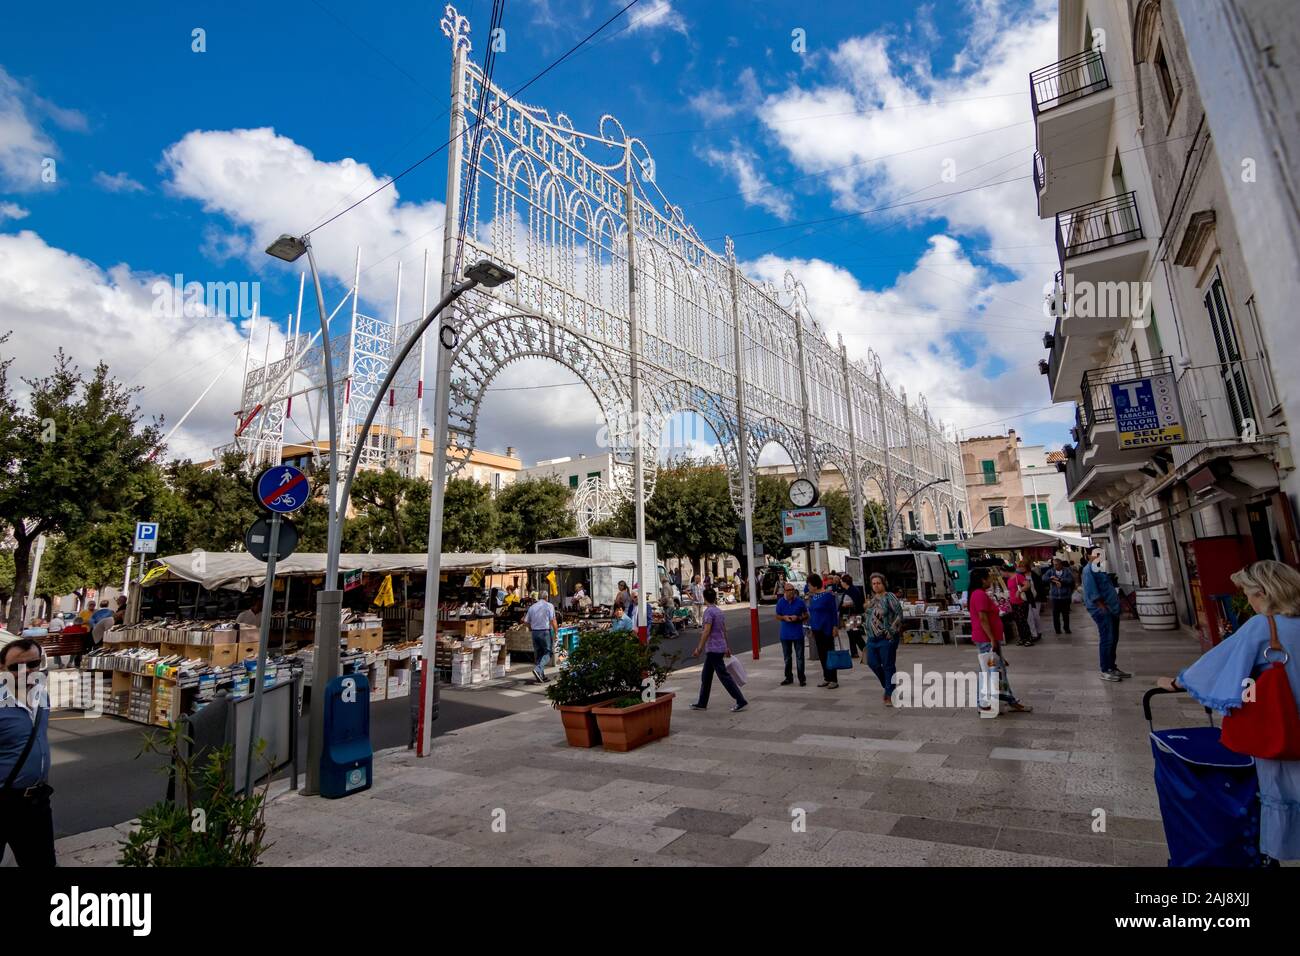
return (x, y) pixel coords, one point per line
(27, 665)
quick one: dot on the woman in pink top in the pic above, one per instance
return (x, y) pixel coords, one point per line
(1019, 585)
(986, 633)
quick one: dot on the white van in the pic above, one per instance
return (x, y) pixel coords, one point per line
(920, 576)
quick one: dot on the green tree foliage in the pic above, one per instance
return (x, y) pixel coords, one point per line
(690, 513)
(532, 510)
(841, 515)
(390, 513)
(621, 524)
(70, 459)
(771, 497)
(469, 517)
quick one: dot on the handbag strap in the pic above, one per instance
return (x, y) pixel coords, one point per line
(1273, 643)
(27, 750)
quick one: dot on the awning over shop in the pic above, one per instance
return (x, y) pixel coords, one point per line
(1011, 538)
(216, 569)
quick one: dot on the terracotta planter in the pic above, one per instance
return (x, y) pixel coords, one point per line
(626, 728)
(580, 728)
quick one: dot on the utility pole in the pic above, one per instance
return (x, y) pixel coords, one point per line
(810, 466)
(742, 448)
(889, 472)
(856, 490)
(638, 427)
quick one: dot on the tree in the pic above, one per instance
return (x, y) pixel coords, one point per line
(771, 497)
(469, 517)
(385, 514)
(690, 513)
(532, 510)
(68, 461)
(837, 501)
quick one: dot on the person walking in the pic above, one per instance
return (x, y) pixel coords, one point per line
(1037, 597)
(987, 635)
(713, 644)
(1018, 593)
(852, 604)
(1102, 601)
(792, 612)
(697, 602)
(668, 605)
(1060, 581)
(1216, 680)
(26, 822)
(824, 619)
(884, 620)
(545, 628)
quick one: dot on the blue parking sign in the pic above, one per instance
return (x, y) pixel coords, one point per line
(146, 537)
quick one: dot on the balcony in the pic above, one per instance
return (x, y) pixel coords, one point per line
(1073, 102)
(1101, 242)
(1099, 465)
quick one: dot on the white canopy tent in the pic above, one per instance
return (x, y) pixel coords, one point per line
(240, 570)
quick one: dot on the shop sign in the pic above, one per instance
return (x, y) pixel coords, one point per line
(1147, 412)
(351, 579)
(806, 526)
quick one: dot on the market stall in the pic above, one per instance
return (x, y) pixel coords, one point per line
(184, 639)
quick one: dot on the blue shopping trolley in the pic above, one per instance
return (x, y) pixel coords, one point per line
(1209, 795)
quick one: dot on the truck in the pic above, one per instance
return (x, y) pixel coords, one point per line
(919, 576)
(602, 583)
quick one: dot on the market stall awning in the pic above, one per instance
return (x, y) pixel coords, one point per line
(1011, 538)
(217, 569)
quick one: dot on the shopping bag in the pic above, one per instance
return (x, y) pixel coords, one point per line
(990, 680)
(736, 670)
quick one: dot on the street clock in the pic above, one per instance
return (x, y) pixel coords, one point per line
(803, 493)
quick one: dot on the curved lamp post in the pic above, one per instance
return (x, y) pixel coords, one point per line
(897, 512)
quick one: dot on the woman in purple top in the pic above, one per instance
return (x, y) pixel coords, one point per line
(713, 644)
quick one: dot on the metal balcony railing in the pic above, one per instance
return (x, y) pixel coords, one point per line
(1097, 405)
(1040, 172)
(1068, 80)
(1097, 225)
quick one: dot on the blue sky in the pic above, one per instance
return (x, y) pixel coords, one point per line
(172, 161)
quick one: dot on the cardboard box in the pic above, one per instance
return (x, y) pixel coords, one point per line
(364, 638)
(245, 650)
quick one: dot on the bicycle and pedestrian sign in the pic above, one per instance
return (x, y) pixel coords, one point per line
(282, 489)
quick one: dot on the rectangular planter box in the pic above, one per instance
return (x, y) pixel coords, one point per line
(580, 728)
(626, 728)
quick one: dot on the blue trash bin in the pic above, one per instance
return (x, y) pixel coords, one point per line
(347, 764)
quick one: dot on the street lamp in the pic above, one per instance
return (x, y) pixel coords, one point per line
(329, 600)
(897, 512)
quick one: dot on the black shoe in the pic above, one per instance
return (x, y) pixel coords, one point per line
(803, 683)
(698, 707)
(787, 682)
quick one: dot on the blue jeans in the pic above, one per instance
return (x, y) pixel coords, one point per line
(881, 655)
(541, 649)
(714, 662)
(1005, 693)
(793, 649)
(1108, 631)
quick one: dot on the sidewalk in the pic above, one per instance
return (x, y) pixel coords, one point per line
(877, 786)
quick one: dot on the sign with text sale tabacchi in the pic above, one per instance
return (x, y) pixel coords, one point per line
(806, 526)
(1147, 412)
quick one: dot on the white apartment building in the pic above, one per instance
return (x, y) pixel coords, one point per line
(1047, 500)
(1180, 437)
(573, 471)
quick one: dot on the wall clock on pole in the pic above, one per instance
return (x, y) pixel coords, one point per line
(803, 493)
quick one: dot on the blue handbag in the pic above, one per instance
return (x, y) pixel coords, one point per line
(838, 660)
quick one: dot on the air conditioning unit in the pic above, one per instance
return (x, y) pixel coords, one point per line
(1043, 366)
(1049, 340)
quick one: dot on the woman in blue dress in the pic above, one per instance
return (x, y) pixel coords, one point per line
(1217, 679)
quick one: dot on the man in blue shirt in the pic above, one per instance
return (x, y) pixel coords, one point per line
(1102, 601)
(824, 619)
(1061, 581)
(792, 612)
(26, 824)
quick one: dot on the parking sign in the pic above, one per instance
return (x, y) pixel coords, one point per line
(146, 537)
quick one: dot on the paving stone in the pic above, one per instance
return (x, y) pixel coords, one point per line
(635, 836)
(556, 822)
(781, 832)
(861, 821)
(712, 822)
(1086, 848)
(714, 849)
(945, 831)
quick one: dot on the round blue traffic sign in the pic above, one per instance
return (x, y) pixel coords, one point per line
(283, 489)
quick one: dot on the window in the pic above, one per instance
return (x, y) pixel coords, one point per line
(1038, 512)
(573, 481)
(911, 520)
(1265, 364)
(990, 469)
(1166, 78)
(996, 517)
(496, 481)
(1231, 368)
(593, 474)
(1081, 514)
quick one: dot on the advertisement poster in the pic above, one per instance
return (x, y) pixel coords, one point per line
(1147, 412)
(806, 526)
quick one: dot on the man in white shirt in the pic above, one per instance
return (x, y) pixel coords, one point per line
(545, 629)
(697, 602)
(251, 615)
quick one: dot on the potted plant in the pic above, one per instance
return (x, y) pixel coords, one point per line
(607, 668)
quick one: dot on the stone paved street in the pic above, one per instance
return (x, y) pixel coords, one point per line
(879, 786)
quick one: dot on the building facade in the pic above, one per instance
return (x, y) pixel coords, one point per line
(572, 471)
(1047, 499)
(994, 486)
(1159, 337)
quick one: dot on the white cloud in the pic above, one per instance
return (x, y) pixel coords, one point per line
(118, 183)
(52, 298)
(266, 184)
(9, 210)
(655, 15)
(755, 187)
(24, 146)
